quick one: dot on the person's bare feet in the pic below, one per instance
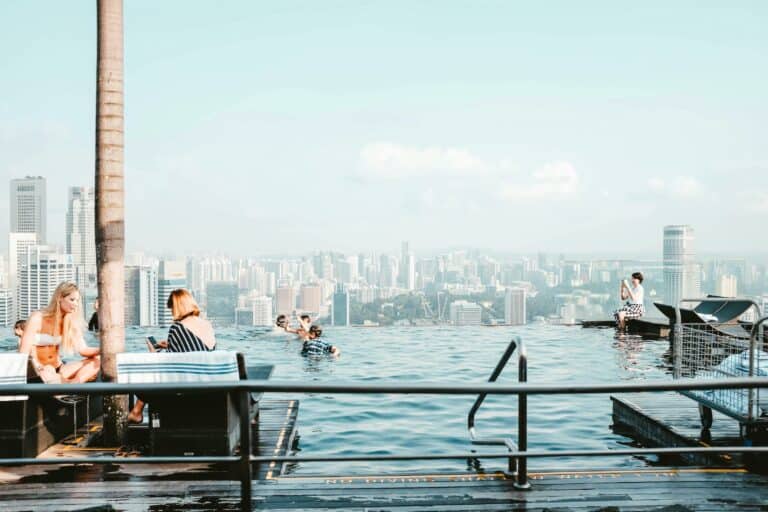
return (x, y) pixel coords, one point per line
(134, 417)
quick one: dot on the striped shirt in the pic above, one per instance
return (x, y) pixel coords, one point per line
(316, 348)
(181, 339)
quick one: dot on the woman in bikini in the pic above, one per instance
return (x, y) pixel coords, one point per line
(188, 333)
(59, 329)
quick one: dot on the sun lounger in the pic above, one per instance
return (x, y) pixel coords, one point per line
(197, 423)
(30, 425)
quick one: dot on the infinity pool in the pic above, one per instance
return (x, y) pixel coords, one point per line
(382, 424)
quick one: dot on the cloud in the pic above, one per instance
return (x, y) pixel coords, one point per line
(557, 180)
(757, 202)
(679, 187)
(388, 160)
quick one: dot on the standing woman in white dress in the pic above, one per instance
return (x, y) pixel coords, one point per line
(635, 296)
(59, 329)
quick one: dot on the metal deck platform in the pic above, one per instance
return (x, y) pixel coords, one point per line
(671, 419)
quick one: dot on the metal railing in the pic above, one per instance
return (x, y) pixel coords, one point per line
(243, 461)
(708, 339)
(514, 464)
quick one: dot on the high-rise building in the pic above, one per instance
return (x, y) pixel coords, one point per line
(81, 233)
(221, 297)
(6, 308)
(285, 298)
(727, 286)
(18, 244)
(28, 207)
(311, 299)
(262, 311)
(44, 270)
(340, 307)
(141, 296)
(463, 312)
(514, 306)
(681, 272)
(172, 274)
(407, 268)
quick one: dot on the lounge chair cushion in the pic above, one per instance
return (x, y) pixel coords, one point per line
(160, 367)
(13, 370)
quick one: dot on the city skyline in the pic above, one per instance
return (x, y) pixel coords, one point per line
(463, 138)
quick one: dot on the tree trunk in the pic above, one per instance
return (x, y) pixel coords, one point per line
(110, 220)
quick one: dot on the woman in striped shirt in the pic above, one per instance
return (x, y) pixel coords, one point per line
(188, 333)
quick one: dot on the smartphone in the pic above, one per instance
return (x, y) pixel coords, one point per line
(152, 341)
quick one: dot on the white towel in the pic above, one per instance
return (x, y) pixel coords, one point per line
(159, 367)
(13, 370)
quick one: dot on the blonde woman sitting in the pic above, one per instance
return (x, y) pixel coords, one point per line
(188, 333)
(59, 329)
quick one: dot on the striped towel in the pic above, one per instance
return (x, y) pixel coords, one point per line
(13, 370)
(159, 367)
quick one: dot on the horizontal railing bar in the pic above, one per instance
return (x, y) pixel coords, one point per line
(393, 457)
(518, 454)
(119, 460)
(426, 388)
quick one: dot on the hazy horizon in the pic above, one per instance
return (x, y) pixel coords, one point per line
(290, 127)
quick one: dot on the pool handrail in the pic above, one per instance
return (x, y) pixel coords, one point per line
(513, 465)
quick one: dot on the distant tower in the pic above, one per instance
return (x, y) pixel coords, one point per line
(6, 308)
(172, 275)
(285, 299)
(262, 311)
(28, 207)
(340, 307)
(681, 273)
(141, 296)
(81, 233)
(18, 243)
(44, 269)
(514, 306)
(221, 302)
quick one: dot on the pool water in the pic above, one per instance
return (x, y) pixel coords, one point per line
(384, 424)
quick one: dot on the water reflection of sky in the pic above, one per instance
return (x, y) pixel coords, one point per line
(353, 424)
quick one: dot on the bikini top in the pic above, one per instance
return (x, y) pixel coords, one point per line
(45, 340)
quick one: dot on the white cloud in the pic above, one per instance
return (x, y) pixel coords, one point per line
(679, 187)
(758, 202)
(388, 160)
(557, 180)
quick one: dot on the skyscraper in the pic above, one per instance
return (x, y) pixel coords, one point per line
(6, 308)
(28, 207)
(141, 296)
(18, 243)
(311, 299)
(221, 302)
(172, 274)
(727, 286)
(262, 311)
(407, 268)
(285, 297)
(81, 233)
(340, 307)
(681, 273)
(465, 313)
(514, 306)
(45, 268)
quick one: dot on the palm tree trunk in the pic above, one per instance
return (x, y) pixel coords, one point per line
(110, 220)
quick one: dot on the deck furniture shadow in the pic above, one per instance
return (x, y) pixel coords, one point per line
(29, 425)
(200, 423)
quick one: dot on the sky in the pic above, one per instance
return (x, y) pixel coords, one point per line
(296, 126)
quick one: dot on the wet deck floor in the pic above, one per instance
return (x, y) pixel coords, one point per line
(661, 490)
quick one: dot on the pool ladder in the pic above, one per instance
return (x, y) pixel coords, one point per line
(518, 466)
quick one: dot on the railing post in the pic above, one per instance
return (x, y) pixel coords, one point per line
(521, 483)
(246, 472)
